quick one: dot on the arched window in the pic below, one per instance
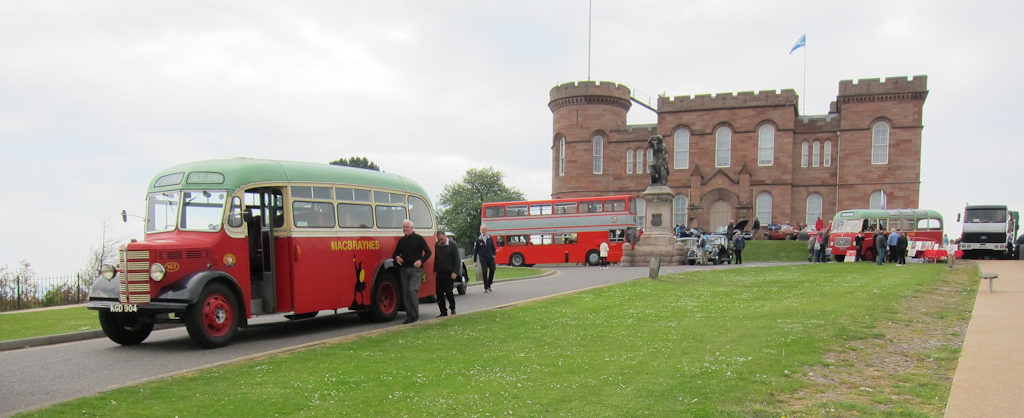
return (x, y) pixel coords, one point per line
(650, 159)
(641, 213)
(681, 149)
(629, 161)
(827, 153)
(880, 143)
(803, 154)
(598, 154)
(723, 146)
(766, 145)
(764, 208)
(639, 160)
(877, 200)
(679, 210)
(815, 154)
(561, 157)
(813, 208)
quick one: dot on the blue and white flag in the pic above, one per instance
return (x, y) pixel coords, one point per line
(799, 43)
(882, 200)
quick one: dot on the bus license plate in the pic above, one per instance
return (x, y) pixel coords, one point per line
(124, 307)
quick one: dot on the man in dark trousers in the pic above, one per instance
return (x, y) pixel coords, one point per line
(484, 249)
(901, 249)
(738, 244)
(411, 253)
(446, 263)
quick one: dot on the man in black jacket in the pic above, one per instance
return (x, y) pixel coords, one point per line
(484, 249)
(446, 264)
(411, 253)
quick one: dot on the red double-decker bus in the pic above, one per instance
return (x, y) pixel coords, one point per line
(227, 240)
(560, 230)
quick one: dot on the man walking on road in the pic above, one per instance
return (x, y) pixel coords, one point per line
(484, 249)
(411, 253)
(446, 263)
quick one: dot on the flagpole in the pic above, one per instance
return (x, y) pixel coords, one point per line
(590, 21)
(804, 111)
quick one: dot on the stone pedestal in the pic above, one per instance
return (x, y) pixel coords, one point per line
(659, 234)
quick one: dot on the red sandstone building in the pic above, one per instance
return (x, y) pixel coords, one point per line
(746, 155)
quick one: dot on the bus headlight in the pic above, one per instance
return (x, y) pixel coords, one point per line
(107, 271)
(157, 272)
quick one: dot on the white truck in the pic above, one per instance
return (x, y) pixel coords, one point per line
(989, 231)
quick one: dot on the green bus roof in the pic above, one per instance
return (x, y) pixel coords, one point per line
(234, 173)
(886, 213)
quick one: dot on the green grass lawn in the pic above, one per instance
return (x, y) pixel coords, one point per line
(707, 343)
(37, 323)
(775, 250)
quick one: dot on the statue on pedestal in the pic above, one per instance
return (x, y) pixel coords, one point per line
(659, 164)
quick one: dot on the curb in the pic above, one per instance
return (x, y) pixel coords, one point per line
(97, 333)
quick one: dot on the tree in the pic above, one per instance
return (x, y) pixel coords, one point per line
(105, 253)
(459, 205)
(358, 162)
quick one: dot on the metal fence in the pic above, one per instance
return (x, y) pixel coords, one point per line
(17, 292)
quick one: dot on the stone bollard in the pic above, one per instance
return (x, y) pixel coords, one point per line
(655, 266)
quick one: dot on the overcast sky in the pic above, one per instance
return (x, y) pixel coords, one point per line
(97, 96)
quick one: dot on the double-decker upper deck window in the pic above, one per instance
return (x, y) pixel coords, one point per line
(615, 205)
(590, 207)
(567, 207)
(494, 212)
(517, 210)
(540, 209)
(161, 211)
(202, 210)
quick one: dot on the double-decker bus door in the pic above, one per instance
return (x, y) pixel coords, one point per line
(267, 205)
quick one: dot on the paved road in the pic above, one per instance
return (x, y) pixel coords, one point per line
(39, 376)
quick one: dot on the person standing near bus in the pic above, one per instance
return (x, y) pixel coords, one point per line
(894, 238)
(484, 249)
(446, 263)
(880, 246)
(410, 253)
(901, 249)
(604, 254)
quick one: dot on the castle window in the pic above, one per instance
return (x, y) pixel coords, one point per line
(764, 207)
(803, 154)
(723, 146)
(679, 210)
(598, 154)
(877, 200)
(639, 160)
(828, 153)
(766, 145)
(650, 160)
(681, 149)
(561, 157)
(629, 161)
(815, 154)
(813, 208)
(880, 143)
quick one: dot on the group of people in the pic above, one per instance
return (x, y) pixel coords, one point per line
(891, 247)
(412, 252)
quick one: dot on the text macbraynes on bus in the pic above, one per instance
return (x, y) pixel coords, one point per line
(560, 230)
(230, 239)
(923, 228)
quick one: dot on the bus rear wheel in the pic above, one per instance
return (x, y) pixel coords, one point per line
(516, 260)
(593, 258)
(124, 329)
(213, 321)
(462, 281)
(384, 300)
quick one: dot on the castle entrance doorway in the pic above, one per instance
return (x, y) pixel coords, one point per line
(721, 214)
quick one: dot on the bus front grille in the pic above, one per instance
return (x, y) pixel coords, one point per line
(134, 273)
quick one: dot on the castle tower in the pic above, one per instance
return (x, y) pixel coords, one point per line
(582, 111)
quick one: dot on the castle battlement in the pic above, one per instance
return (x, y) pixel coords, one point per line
(786, 97)
(919, 83)
(590, 88)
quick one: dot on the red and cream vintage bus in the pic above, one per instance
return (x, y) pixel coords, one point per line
(923, 228)
(560, 230)
(226, 240)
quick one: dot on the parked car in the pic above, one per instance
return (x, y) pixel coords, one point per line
(738, 228)
(780, 232)
(696, 253)
(719, 249)
(806, 233)
(463, 280)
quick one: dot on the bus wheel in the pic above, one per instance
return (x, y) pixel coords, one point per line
(213, 321)
(516, 260)
(463, 279)
(593, 258)
(840, 258)
(124, 329)
(384, 302)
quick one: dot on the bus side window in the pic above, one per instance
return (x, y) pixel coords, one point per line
(499, 241)
(235, 213)
(883, 225)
